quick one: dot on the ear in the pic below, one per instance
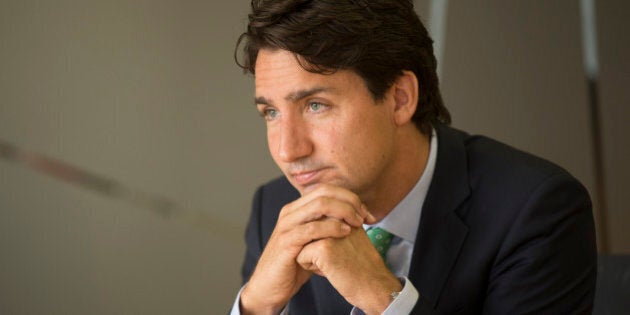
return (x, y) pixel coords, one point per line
(405, 90)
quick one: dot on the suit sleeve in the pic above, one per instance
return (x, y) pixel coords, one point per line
(547, 262)
(253, 238)
(423, 307)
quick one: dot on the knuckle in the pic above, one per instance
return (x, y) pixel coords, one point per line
(355, 200)
(321, 204)
(308, 230)
(285, 210)
(326, 250)
(326, 245)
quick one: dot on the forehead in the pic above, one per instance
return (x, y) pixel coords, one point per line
(278, 73)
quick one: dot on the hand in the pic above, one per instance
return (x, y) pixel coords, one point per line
(325, 212)
(354, 268)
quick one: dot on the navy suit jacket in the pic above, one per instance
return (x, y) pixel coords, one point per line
(501, 232)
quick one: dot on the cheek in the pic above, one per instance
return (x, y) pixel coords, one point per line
(371, 146)
(348, 148)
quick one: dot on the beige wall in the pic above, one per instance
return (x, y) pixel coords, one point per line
(146, 93)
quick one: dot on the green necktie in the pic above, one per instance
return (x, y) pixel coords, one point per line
(381, 240)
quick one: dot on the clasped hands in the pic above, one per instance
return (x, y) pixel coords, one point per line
(320, 233)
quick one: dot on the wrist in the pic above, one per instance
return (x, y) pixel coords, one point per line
(382, 295)
(250, 303)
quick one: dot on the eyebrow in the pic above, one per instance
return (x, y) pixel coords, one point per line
(294, 96)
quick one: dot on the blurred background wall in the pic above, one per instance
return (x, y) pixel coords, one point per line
(144, 98)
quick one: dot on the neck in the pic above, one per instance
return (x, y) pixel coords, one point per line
(412, 154)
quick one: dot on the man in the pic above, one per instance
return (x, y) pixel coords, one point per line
(356, 123)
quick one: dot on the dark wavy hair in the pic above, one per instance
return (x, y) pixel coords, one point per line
(377, 39)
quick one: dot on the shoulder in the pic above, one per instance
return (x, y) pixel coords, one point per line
(509, 178)
(490, 161)
(491, 156)
(501, 180)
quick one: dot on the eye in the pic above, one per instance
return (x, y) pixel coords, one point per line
(316, 106)
(269, 114)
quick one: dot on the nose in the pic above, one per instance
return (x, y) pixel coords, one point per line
(292, 139)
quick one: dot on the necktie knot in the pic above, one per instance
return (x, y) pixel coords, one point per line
(381, 240)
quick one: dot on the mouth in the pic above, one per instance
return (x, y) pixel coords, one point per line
(306, 178)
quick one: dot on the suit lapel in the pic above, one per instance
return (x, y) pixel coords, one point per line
(441, 232)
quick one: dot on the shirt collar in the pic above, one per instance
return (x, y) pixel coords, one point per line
(404, 220)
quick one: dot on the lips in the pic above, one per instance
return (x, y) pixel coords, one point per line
(303, 178)
(307, 177)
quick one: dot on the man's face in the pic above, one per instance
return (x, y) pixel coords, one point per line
(324, 128)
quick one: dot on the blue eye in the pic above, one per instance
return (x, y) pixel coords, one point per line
(315, 106)
(270, 114)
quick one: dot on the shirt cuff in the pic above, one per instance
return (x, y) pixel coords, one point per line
(236, 307)
(402, 304)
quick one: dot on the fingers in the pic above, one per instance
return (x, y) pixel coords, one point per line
(316, 230)
(332, 255)
(306, 259)
(328, 207)
(369, 218)
(329, 201)
(335, 192)
(327, 213)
